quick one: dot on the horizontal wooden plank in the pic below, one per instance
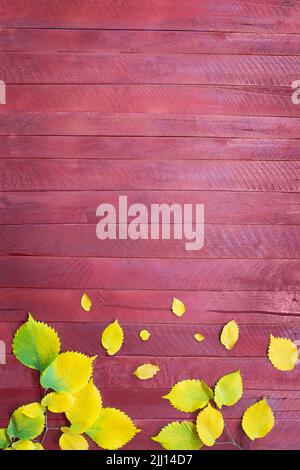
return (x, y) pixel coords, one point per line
(170, 42)
(88, 175)
(174, 340)
(212, 15)
(200, 69)
(221, 241)
(69, 207)
(116, 372)
(142, 124)
(140, 148)
(126, 273)
(162, 99)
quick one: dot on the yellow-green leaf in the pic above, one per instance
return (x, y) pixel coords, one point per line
(112, 338)
(86, 408)
(146, 371)
(68, 373)
(112, 430)
(178, 307)
(73, 441)
(36, 344)
(32, 410)
(27, 445)
(189, 395)
(58, 402)
(282, 353)
(229, 389)
(4, 439)
(86, 303)
(210, 425)
(179, 436)
(258, 420)
(199, 337)
(24, 427)
(144, 335)
(230, 335)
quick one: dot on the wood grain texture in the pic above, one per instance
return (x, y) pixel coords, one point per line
(213, 15)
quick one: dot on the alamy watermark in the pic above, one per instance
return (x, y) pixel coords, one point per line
(162, 221)
(2, 92)
(2, 352)
(296, 93)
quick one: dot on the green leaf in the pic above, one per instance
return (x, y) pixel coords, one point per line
(36, 344)
(189, 395)
(22, 426)
(68, 373)
(229, 389)
(4, 439)
(112, 430)
(179, 436)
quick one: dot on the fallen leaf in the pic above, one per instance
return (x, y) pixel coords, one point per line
(144, 335)
(178, 307)
(210, 425)
(228, 389)
(26, 445)
(230, 335)
(189, 395)
(25, 427)
(72, 441)
(112, 338)
(199, 337)
(258, 420)
(86, 409)
(86, 302)
(179, 436)
(282, 353)
(146, 371)
(58, 402)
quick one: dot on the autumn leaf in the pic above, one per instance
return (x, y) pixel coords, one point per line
(210, 425)
(282, 353)
(189, 395)
(199, 337)
(86, 408)
(146, 371)
(258, 420)
(35, 344)
(4, 439)
(58, 402)
(230, 335)
(112, 430)
(72, 441)
(68, 373)
(229, 389)
(86, 303)
(144, 335)
(179, 436)
(26, 422)
(26, 445)
(112, 338)
(178, 307)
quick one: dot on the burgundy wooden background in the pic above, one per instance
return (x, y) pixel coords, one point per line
(163, 100)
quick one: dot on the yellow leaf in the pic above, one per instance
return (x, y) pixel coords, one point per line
(33, 410)
(112, 338)
(58, 402)
(68, 373)
(258, 420)
(86, 303)
(283, 353)
(179, 436)
(210, 425)
(189, 395)
(230, 335)
(178, 307)
(198, 337)
(26, 427)
(86, 408)
(144, 335)
(229, 389)
(146, 371)
(112, 430)
(73, 441)
(27, 445)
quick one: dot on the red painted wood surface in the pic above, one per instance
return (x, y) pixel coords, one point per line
(164, 101)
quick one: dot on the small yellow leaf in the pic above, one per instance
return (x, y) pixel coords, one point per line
(230, 335)
(179, 436)
(258, 420)
(199, 337)
(58, 402)
(283, 353)
(33, 410)
(146, 371)
(73, 441)
(27, 445)
(86, 408)
(112, 338)
(228, 389)
(86, 303)
(189, 395)
(144, 335)
(178, 307)
(210, 425)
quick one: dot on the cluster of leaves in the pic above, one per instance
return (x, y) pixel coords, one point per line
(192, 395)
(69, 376)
